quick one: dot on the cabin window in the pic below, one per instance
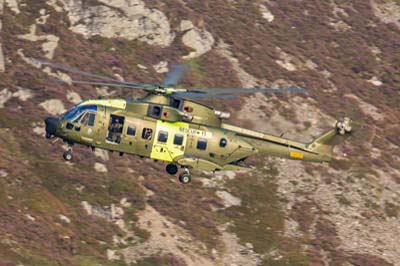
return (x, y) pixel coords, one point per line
(154, 111)
(131, 131)
(115, 127)
(202, 144)
(223, 142)
(116, 123)
(147, 133)
(178, 139)
(162, 136)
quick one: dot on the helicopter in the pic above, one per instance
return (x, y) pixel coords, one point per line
(167, 125)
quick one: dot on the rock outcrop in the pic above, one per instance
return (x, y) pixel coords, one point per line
(2, 63)
(21, 94)
(13, 5)
(53, 106)
(50, 41)
(119, 18)
(200, 40)
(266, 13)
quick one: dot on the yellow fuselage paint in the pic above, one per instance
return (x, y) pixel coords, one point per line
(116, 103)
(296, 155)
(168, 151)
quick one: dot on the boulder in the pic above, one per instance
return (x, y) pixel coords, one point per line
(53, 106)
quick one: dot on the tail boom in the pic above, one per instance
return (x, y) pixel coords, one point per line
(318, 150)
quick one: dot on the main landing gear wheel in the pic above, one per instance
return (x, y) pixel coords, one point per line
(185, 178)
(171, 169)
(67, 155)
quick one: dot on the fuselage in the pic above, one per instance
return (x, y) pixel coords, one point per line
(156, 130)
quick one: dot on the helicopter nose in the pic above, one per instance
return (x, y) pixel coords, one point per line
(51, 126)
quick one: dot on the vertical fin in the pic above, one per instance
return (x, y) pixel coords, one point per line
(324, 144)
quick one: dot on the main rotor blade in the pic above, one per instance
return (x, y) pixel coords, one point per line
(244, 90)
(131, 86)
(83, 73)
(75, 71)
(204, 96)
(174, 75)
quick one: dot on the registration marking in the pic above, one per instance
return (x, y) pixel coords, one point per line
(197, 133)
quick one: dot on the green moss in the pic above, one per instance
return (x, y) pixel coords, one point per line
(86, 261)
(392, 210)
(166, 260)
(372, 205)
(130, 218)
(259, 220)
(107, 43)
(13, 252)
(42, 201)
(196, 71)
(290, 259)
(3, 195)
(144, 235)
(343, 200)
(120, 185)
(82, 260)
(342, 164)
(152, 261)
(361, 173)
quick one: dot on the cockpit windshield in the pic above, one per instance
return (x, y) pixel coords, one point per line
(76, 111)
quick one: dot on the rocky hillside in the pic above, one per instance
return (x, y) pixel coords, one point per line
(103, 209)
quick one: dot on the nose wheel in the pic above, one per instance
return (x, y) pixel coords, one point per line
(68, 154)
(185, 177)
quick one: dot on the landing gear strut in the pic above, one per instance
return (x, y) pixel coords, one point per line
(171, 169)
(185, 177)
(68, 154)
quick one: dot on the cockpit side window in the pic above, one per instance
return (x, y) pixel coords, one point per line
(88, 119)
(85, 119)
(92, 117)
(77, 118)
